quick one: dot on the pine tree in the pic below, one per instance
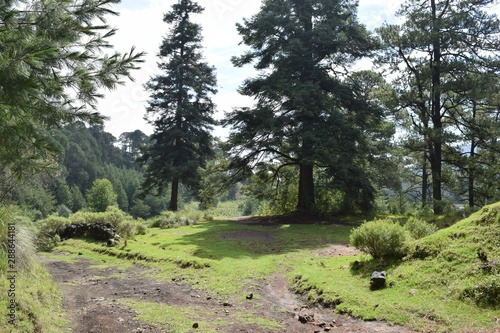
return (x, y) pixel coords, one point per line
(180, 107)
(52, 68)
(308, 114)
(440, 44)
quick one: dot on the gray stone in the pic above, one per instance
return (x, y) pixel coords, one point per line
(377, 280)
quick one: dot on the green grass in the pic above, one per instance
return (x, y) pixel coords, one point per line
(432, 286)
(438, 288)
(39, 303)
(181, 318)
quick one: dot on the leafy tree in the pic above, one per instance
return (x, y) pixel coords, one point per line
(52, 66)
(132, 142)
(439, 44)
(180, 107)
(308, 114)
(101, 195)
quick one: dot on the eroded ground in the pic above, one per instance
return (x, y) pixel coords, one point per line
(94, 300)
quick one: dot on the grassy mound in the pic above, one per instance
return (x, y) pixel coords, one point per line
(467, 255)
(450, 281)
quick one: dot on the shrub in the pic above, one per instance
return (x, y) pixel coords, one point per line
(124, 224)
(46, 243)
(380, 238)
(126, 229)
(169, 219)
(419, 228)
(141, 228)
(53, 223)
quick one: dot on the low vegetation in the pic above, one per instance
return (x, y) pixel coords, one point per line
(446, 281)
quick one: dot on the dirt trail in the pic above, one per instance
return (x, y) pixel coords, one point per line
(91, 295)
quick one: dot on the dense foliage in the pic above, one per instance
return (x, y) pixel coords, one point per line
(52, 67)
(180, 108)
(310, 113)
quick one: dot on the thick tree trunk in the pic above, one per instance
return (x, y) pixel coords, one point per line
(306, 188)
(174, 195)
(306, 176)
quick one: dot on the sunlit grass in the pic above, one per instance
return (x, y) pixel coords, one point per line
(226, 259)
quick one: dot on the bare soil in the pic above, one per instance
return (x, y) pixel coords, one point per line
(91, 295)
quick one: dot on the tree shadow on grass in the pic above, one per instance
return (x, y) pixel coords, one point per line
(234, 239)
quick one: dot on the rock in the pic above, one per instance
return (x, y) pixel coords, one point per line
(97, 231)
(413, 291)
(227, 304)
(377, 280)
(306, 315)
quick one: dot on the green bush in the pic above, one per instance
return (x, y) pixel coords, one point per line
(141, 228)
(126, 229)
(380, 238)
(169, 219)
(53, 223)
(124, 224)
(419, 228)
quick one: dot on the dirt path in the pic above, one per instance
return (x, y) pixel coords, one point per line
(91, 298)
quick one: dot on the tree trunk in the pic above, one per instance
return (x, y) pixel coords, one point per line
(437, 133)
(306, 188)
(306, 176)
(425, 181)
(174, 195)
(472, 163)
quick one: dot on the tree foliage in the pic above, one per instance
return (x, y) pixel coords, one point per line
(438, 53)
(309, 112)
(52, 68)
(101, 195)
(180, 107)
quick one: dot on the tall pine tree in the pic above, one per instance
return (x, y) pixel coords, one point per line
(307, 113)
(180, 107)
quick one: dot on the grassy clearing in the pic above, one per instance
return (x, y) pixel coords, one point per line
(442, 286)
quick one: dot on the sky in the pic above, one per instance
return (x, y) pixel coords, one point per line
(140, 24)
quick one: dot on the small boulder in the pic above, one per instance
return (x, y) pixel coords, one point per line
(306, 315)
(377, 280)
